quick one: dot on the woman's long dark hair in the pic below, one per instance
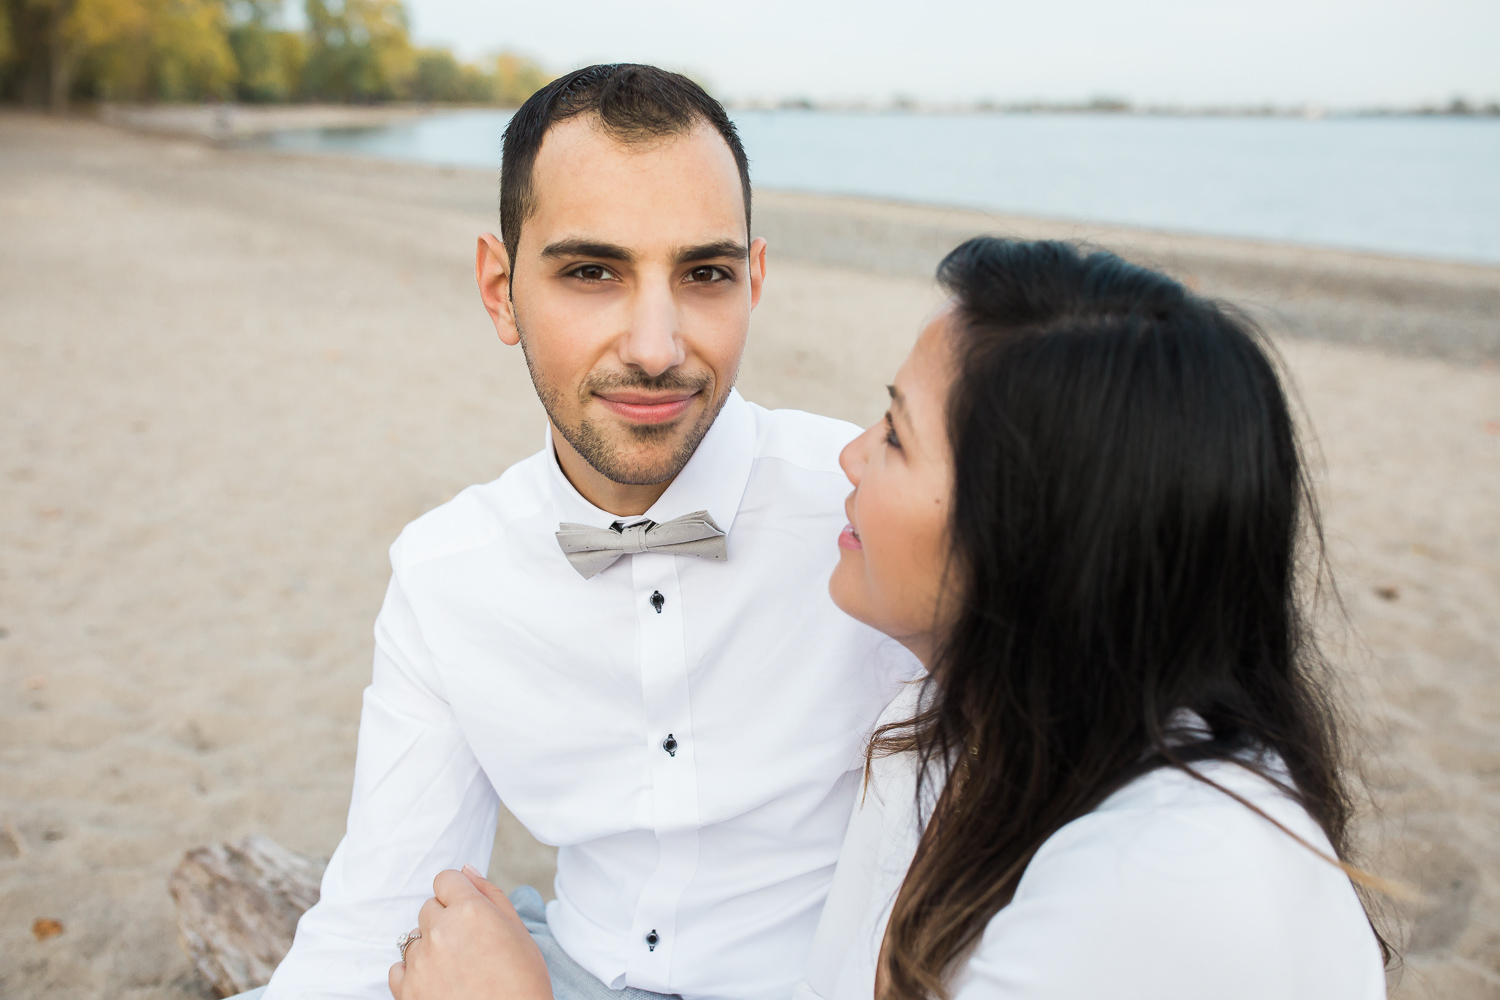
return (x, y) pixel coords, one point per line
(1132, 533)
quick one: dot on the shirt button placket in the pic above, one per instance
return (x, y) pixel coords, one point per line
(674, 779)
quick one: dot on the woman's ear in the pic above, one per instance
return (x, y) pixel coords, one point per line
(492, 272)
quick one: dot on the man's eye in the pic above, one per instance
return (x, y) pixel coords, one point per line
(890, 432)
(707, 275)
(592, 272)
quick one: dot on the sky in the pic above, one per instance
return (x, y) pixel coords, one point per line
(1336, 53)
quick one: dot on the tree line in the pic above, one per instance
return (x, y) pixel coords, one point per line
(53, 52)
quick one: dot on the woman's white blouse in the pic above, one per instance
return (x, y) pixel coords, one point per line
(1170, 889)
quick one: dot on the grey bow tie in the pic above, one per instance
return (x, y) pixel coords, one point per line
(591, 550)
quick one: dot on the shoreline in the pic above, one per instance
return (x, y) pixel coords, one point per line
(1410, 305)
(229, 121)
(232, 123)
(1355, 257)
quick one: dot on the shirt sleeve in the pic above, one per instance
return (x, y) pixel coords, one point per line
(421, 804)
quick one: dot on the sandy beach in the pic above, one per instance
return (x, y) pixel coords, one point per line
(228, 378)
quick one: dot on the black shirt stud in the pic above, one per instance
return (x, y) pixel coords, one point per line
(670, 745)
(657, 601)
(652, 940)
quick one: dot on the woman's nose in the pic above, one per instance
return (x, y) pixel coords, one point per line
(852, 459)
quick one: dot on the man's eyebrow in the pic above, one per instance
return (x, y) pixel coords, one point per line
(897, 400)
(717, 250)
(586, 248)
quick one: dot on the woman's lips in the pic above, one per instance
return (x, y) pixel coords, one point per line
(849, 538)
(641, 408)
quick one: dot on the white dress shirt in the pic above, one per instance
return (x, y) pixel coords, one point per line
(1169, 890)
(694, 758)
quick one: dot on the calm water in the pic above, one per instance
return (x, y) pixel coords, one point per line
(1426, 187)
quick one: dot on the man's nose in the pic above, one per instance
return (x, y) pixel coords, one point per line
(652, 343)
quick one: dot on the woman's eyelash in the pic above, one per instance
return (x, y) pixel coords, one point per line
(890, 432)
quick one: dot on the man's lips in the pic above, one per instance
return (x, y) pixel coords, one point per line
(849, 539)
(647, 408)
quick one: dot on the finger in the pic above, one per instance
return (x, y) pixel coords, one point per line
(409, 949)
(428, 914)
(397, 979)
(488, 889)
(451, 887)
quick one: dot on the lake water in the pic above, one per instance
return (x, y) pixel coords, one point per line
(1426, 187)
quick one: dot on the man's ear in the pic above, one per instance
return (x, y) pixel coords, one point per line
(757, 269)
(492, 271)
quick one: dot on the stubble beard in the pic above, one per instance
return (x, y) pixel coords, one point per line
(600, 448)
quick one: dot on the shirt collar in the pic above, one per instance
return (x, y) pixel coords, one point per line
(714, 478)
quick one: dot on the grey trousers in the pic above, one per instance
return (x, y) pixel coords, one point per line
(570, 981)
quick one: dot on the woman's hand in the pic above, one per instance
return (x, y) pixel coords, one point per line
(472, 946)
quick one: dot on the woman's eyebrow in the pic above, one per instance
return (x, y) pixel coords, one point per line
(898, 401)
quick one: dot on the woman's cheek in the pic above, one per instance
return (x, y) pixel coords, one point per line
(885, 545)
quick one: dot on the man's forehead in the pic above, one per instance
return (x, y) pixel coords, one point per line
(583, 134)
(656, 196)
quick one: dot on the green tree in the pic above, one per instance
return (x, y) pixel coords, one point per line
(189, 56)
(52, 38)
(358, 50)
(118, 49)
(7, 44)
(176, 50)
(437, 77)
(441, 77)
(478, 87)
(270, 59)
(517, 78)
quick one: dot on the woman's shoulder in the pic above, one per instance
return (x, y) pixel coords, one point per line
(1173, 888)
(1190, 826)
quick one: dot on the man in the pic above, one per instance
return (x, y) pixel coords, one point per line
(626, 638)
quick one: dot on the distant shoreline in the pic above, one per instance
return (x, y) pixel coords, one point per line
(1406, 304)
(1457, 108)
(249, 126)
(226, 121)
(220, 120)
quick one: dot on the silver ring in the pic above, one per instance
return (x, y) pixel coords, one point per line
(405, 941)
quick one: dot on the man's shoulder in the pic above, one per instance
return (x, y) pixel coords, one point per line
(805, 440)
(477, 517)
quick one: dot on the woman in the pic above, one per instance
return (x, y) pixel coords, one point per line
(1085, 512)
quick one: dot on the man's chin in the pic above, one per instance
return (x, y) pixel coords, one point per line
(636, 454)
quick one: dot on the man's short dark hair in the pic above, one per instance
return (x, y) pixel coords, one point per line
(631, 102)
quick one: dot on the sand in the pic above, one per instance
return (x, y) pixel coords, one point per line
(229, 378)
(227, 122)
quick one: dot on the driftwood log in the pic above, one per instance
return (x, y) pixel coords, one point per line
(238, 906)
